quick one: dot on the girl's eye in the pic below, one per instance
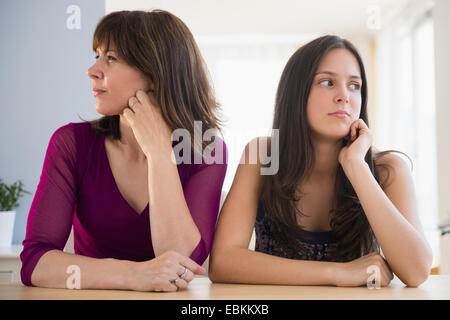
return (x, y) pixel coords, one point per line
(356, 86)
(326, 82)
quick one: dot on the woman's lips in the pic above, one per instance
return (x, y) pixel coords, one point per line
(98, 92)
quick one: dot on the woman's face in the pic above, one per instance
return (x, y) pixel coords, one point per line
(118, 80)
(336, 87)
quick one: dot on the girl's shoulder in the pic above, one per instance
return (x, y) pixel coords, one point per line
(258, 161)
(257, 148)
(389, 158)
(388, 164)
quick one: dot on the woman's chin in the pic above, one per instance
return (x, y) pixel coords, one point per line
(107, 111)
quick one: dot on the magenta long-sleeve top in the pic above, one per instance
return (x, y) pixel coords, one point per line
(77, 188)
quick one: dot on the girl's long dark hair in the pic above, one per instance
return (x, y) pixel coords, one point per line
(279, 193)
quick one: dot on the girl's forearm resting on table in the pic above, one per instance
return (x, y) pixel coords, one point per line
(172, 226)
(406, 251)
(51, 271)
(240, 265)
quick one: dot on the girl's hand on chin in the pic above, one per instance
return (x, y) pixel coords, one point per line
(358, 143)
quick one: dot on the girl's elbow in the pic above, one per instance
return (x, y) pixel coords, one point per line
(213, 276)
(419, 277)
(416, 281)
(214, 269)
(212, 273)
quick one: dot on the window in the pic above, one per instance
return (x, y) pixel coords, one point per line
(245, 72)
(405, 109)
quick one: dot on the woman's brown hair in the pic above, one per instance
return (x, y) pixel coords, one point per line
(279, 193)
(161, 46)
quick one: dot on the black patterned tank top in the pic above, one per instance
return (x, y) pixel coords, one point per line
(318, 247)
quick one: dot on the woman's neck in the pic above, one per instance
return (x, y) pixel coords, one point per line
(128, 144)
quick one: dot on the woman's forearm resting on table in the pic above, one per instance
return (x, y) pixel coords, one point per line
(51, 271)
(172, 226)
(404, 247)
(183, 211)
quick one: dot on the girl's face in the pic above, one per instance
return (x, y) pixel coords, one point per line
(118, 80)
(336, 87)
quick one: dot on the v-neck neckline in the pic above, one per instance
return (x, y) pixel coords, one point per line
(105, 154)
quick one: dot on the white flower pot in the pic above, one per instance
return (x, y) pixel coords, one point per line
(6, 228)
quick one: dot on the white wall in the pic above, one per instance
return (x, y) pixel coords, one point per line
(268, 17)
(43, 85)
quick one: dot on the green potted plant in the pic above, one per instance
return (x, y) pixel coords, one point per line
(9, 197)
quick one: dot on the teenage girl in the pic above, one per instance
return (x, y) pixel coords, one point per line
(335, 201)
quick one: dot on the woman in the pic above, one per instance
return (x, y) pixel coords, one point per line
(140, 221)
(333, 204)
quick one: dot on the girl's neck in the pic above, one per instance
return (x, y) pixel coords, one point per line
(326, 160)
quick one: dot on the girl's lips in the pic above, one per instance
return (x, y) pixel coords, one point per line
(339, 115)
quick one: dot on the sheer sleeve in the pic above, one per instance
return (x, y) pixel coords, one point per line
(202, 193)
(51, 213)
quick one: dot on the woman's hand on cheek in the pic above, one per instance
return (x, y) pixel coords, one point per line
(358, 143)
(149, 127)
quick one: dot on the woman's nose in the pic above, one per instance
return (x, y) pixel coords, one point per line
(94, 72)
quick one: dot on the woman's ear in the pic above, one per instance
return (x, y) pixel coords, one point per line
(151, 86)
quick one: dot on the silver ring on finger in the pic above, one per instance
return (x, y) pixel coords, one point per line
(183, 274)
(175, 281)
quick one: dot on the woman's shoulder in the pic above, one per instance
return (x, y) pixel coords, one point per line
(63, 135)
(220, 142)
(215, 153)
(73, 137)
(213, 156)
(74, 128)
(84, 127)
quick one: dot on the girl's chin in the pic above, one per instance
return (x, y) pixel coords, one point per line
(338, 134)
(332, 136)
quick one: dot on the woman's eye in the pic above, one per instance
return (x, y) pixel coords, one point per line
(326, 82)
(355, 86)
(109, 58)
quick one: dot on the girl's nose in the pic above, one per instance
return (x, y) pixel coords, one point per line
(342, 96)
